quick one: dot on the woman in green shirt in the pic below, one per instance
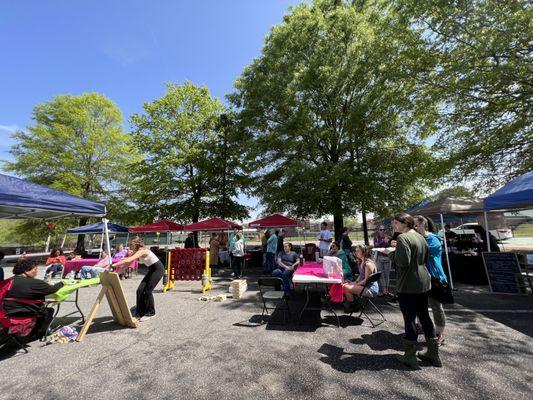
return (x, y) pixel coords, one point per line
(413, 285)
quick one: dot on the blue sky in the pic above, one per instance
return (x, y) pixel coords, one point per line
(125, 50)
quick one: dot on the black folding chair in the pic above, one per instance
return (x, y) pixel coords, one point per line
(364, 301)
(270, 289)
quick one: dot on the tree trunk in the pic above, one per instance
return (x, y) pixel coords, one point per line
(80, 245)
(338, 223)
(365, 227)
(195, 218)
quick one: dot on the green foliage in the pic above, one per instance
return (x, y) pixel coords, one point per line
(192, 165)
(76, 144)
(336, 114)
(454, 191)
(483, 77)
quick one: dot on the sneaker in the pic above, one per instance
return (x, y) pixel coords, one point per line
(145, 318)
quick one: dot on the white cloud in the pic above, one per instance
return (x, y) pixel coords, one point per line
(10, 128)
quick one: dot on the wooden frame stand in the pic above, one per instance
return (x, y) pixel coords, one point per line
(112, 289)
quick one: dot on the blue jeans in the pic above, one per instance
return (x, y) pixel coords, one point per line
(89, 270)
(270, 262)
(286, 276)
(264, 262)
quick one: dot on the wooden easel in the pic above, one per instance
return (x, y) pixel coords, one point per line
(112, 289)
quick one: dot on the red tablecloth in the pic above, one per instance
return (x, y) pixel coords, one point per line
(316, 269)
(76, 264)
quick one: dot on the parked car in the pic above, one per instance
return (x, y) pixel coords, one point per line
(499, 234)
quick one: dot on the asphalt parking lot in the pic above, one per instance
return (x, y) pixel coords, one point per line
(220, 350)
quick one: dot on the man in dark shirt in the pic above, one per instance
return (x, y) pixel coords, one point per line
(286, 265)
(26, 287)
(281, 237)
(189, 242)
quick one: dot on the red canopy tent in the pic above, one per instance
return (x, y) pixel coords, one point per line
(163, 225)
(211, 224)
(275, 221)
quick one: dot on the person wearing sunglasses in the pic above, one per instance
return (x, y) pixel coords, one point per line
(381, 240)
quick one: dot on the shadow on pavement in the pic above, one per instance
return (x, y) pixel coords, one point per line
(380, 340)
(352, 362)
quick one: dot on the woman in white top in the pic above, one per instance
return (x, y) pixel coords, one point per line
(145, 299)
(238, 256)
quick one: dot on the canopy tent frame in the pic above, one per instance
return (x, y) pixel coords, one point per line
(513, 196)
(454, 206)
(20, 199)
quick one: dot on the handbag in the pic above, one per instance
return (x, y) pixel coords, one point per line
(441, 291)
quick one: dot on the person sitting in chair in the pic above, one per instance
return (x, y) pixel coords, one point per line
(93, 270)
(367, 267)
(120, 252)
(26, 287)
(336, 251)
(55, 263)
(287, 262)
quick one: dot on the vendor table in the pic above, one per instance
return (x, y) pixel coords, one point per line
(61, 296)
(312, 273)
(78, 263)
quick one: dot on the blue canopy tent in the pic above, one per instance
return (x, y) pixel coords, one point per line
(515, 195)
(98, 228)
(22, 199)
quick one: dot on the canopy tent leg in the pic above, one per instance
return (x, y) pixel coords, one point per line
(102, 239)
(47, 246)
(487, 230)
(446, 249)
(63, 242)
(106, 234)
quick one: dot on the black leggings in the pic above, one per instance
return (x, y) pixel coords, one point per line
(413, 305)
(145, 298)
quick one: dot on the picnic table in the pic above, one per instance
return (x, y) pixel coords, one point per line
(70, 286)
(312, 273)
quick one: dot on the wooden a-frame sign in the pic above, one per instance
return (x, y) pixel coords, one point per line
(112, 289)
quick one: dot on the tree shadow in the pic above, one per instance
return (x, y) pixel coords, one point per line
(352, 362)
(380, 340)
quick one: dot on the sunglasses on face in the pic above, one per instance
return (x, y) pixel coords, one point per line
(382, 229)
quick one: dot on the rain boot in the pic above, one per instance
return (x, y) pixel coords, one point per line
(409, 357)
(432, 353)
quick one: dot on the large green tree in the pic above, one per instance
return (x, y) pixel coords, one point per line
(335, 113)
(484, 79)
(192, 165)
(76, 144)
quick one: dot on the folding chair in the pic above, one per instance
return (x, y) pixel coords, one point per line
(364, 301)
(15, 327)
(270, 289)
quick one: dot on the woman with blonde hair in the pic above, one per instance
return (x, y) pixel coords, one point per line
(145, 308)
(367, 267)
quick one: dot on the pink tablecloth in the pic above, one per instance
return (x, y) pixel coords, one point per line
(316, 269)
(75, 265)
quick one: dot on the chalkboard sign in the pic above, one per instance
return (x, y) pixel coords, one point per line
(503, 272)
